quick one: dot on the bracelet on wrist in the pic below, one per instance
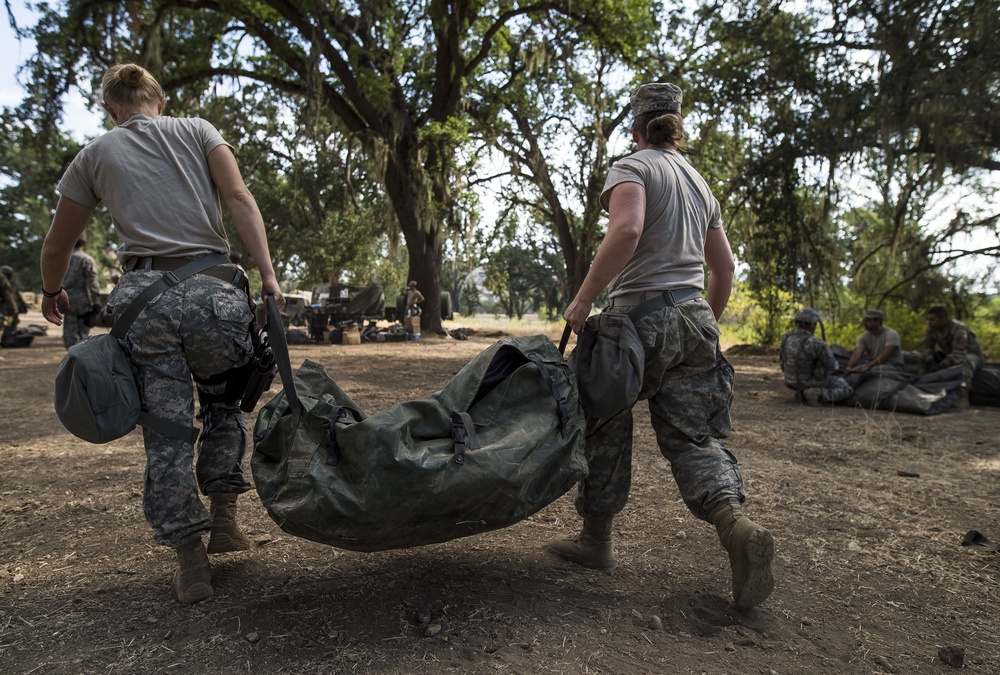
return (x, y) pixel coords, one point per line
(52, 295)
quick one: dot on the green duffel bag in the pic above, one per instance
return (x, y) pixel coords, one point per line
(501, 440)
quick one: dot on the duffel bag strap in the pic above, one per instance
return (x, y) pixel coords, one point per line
(564, 340)
(337, 413)
(463, 435)
(182, 432)
(279, 345)
(553, 389)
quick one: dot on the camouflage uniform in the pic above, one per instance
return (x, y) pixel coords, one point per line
(199, 327)
(808, 363)
(689, 386)
(84, 294)
(957, 345)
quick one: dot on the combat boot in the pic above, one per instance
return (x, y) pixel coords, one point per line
(225, 535)
(751, 550)
(590, 548)
(193, 578)
(811, 396)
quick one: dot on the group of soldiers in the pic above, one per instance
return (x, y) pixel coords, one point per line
(813, 372)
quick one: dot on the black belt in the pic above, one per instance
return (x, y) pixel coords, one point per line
(169, 264)
(650, 301)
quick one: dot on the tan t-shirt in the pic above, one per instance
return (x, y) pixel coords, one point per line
(874, 344)
(152, 173)
(679, 210)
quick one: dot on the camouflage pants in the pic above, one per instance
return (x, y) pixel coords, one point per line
(689, 386)
(835, 389)
(832, 388)
(74, 329)
(198, 328)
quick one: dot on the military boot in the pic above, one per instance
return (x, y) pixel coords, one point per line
(193, 578)
(812, 396)
(590, 548)
(225, 535)
(751, 549)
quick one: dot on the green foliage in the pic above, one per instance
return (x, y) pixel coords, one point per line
(821, 121)
(29, 172)
(519, 272)
(745, 321)
(550, 108)
(470, 300)
(848, 142)
(986, 325)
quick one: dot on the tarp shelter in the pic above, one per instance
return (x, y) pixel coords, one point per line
(366, 302)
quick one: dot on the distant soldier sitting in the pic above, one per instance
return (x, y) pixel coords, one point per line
(949, 342)
(809, 365)
(879, 347)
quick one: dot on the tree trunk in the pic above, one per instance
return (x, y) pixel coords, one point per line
(423, 241)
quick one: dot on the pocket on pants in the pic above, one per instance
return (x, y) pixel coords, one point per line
(721, 423)
(233, 315)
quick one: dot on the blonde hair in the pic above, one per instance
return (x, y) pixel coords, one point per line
(659, 128)
(129, 88)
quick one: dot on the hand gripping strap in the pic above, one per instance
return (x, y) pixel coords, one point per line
(463, 435)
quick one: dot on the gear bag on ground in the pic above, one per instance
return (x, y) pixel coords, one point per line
(501, 440)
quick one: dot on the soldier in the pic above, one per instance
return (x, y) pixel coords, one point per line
(413, 298)
(879, 347)
(664, 226)
(162, 179)
(84, 295)
(9, 304)
(949, 342)
(809, 365)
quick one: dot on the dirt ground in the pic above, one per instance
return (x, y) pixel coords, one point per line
(867, 508)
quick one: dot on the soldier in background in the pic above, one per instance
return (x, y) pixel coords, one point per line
(413, 298)
(809, 365)
(949, 342)
(84, 294)
(8, 298)
(879, 347)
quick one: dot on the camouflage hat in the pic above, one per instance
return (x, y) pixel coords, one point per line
(7, 271)
(806, 315)
(875, 314)
(657, 96)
